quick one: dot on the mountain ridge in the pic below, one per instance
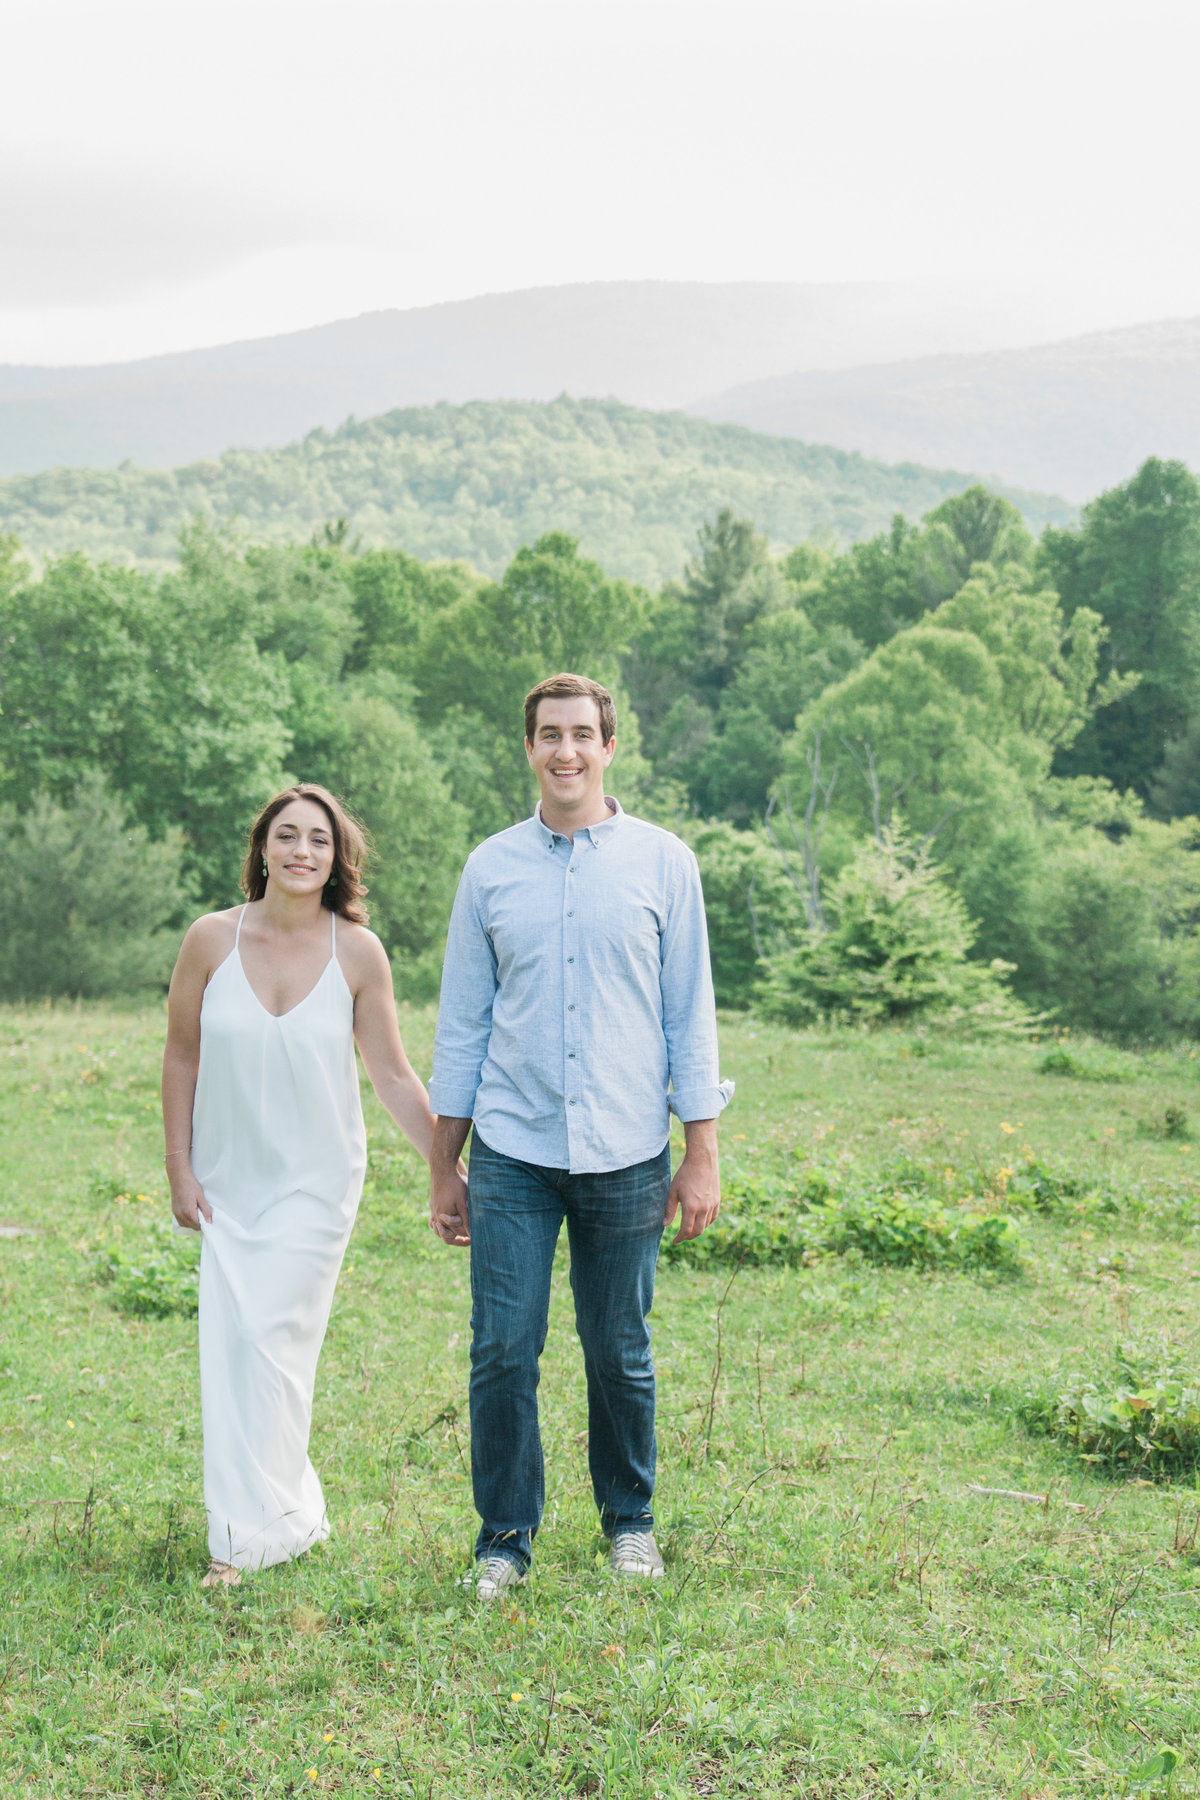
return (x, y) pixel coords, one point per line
(478, 480)
(650, 344)
(1072, 416)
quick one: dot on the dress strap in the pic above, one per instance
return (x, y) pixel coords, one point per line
(237, 934)
(332, 932)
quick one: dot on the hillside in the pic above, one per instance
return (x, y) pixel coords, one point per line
(477, 481)
(650, 343)
(1071, 418)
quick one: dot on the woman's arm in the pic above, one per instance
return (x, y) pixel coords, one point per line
(181, 1061)
(377, 1033)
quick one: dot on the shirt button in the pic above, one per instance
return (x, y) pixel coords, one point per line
(574, 1103)
(570, 959)
(571, 1008)
(570, 912)
(570, 868)
(571, 1054)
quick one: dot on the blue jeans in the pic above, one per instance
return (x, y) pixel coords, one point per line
(614, 1227)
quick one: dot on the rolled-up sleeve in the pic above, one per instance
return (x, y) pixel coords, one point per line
(465, 1009)
(689, 1009)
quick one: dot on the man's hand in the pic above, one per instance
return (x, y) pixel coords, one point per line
(448, 1214)
(695, 1193)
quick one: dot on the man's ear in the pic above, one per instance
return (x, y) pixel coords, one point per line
(529, 752)
(609, 748)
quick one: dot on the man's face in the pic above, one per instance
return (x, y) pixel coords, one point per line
(568, 756)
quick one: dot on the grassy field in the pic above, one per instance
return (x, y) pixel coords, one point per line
(842, 1615)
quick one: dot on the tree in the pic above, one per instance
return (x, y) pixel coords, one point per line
(878, 587)
(785, 665)
(479, 657)
(897, 950)
(89, 905)
(749, 902)
(979, 527)
(385, 768)
(393, 595)
(1135, 561)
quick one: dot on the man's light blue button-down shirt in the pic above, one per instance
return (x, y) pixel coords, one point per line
(577, 1002)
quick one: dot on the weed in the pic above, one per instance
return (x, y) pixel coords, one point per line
(1067, 1063)
(1170, 1125)
(896, 1218)
(158, 1281)
(1142, 1413)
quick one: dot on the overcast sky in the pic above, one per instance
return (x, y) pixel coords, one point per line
(179, 174)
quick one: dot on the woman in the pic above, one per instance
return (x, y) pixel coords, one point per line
(265, 1153)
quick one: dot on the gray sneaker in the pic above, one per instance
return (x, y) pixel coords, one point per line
(495, 1573)
(635, 1553)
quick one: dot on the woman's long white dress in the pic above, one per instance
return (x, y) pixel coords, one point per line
(278, 1146)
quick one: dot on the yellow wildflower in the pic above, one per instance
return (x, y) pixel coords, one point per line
(516, 1696)
(1007, 1128)
(329, 1737)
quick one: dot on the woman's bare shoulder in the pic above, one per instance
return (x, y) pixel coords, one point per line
(360, 952)
(211, 936)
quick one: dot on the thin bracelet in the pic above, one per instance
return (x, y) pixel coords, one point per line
(168, 1154)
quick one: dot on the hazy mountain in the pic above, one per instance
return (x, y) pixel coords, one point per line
(650, 343)
(477, 481)
(1072, 417)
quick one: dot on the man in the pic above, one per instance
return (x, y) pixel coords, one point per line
(576, 987)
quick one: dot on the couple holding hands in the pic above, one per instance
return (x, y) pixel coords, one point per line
(576, 1012)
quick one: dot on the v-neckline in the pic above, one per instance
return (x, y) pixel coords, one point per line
(291, 1009)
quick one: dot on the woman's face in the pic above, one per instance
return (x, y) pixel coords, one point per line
(299, 848)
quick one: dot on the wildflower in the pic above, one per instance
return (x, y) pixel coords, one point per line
(516, 1696)
(311, 1773)
(376, 1773)
(223, 1727)
(70, 1424)
(1006, 1128)
(329, 1737)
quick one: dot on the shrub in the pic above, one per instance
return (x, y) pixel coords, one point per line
(748, 901)
(158, 1281)
(1142, 1413)
(898, 1219)
(897, 951)
(1043, 1187)
(1069, 1066)
(88, 904)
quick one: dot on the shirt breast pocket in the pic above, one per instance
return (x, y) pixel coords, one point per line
(623, 926)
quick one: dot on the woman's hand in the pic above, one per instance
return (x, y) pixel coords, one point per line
(187, 1201)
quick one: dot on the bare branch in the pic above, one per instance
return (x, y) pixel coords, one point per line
(806, 838)
(754, 931)
(867, 768)
(934, 829)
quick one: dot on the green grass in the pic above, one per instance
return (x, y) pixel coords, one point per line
(841, 1616)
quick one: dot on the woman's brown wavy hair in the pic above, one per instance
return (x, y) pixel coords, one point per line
(343, 892)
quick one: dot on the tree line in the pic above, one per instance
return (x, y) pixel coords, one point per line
(480, 480)
(953, 765)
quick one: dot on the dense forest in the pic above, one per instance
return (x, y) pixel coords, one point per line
(954, 766)
(478, 481)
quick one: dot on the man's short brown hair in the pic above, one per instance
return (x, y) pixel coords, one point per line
(566, 687)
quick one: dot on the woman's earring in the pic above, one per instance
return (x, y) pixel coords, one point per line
(333, 879)
(264, 867)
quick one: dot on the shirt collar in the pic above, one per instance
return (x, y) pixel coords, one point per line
(597, 833)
